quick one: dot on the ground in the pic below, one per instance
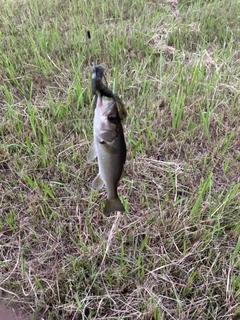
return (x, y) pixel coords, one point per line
(174, 253)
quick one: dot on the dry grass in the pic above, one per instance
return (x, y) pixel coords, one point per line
(174, 254)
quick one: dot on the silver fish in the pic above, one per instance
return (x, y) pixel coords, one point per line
(110, 149)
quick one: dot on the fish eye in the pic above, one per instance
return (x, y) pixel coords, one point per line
(113, 117)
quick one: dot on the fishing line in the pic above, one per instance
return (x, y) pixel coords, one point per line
(89, 45)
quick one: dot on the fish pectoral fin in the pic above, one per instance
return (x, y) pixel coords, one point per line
(113, 205)
(97, 183)
(107, 147)
(92, 153)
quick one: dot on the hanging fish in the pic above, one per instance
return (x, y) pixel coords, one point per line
(110, 149)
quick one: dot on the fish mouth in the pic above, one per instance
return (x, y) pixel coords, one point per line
(108, 108)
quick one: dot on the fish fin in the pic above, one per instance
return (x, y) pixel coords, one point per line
(113, 205)
(92, 153)
(123, 174)
(107, 147)
(97, 183)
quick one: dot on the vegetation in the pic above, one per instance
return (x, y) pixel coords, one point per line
(174, 254)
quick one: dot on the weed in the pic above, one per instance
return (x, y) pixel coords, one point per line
(174, 253)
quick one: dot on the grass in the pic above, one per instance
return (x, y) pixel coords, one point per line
(174, 254)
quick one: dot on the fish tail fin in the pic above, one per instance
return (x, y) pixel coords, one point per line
(113, 205)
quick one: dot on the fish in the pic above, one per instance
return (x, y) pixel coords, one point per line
(109, 147)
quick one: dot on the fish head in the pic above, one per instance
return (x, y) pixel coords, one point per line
(107, 122)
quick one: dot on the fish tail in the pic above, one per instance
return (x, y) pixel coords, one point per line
(113, 205)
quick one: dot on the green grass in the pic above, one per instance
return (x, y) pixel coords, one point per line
(175, 253)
